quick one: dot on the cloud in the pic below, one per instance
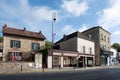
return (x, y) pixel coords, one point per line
(110, 16)
(67, 29)
(116, 32)
(19, 12)
(83, 28)
(75, 7)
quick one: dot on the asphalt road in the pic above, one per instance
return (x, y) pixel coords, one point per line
(96, 74)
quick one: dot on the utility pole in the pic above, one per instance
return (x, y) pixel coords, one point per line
(53, 21)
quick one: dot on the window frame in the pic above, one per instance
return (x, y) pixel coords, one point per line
(15, 44)
(35, 46)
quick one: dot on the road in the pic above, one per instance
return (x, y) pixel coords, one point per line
(94, 74)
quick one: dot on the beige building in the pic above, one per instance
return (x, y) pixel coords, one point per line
(101, 38)
(83, 46)
(18, 44)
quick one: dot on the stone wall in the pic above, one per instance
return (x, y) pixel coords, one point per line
(70, 44)
(10, 67)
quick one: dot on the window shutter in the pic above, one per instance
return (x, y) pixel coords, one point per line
(19, 44)
(38, 46)
(32, 46)
(11, 44)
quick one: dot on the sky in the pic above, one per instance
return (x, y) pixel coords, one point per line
(71, 16)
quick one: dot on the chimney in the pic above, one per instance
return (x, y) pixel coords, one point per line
(5, 25)
(90, 36)
(40, 32)
(64, 37)
(24, 29)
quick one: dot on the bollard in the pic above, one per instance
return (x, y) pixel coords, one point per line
(74, 67)
(59, 67)
(21, 67)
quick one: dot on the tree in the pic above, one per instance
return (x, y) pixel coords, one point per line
(45, 53)
(116, 46)
(48, 44)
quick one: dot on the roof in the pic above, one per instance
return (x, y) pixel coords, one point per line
(96, 28)
(24, 32)
(75, 34)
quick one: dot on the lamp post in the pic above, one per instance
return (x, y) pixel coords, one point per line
(53, 21)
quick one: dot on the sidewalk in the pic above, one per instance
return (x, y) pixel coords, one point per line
(67, 69)
(75, 68)
(61, 69)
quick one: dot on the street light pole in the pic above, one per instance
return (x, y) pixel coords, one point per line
(53, 21)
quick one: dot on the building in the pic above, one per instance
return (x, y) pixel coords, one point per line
(81, 46)
(113, 59)
(102, 44)
(18, 45)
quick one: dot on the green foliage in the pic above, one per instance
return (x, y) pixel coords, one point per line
(116, 46)
(48, 44)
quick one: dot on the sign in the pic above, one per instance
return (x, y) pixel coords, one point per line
(30, 64)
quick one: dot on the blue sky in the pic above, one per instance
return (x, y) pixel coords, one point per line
(71, 15)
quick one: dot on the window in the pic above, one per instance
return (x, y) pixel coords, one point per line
(83, 49)
(104, 38)
(15, 44)
(101, 36)
(90, 50)
(55, 60)
(65, 61)
(14, 56)
(35, 46)
(108, 40)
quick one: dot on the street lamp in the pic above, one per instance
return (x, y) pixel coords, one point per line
(53, 21)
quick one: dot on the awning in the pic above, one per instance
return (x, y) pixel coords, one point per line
(105, 52)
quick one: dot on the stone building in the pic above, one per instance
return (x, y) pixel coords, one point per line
(82, 47)
(101, 38)
(18, 45)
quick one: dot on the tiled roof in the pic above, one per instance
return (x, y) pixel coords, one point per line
(24, 32)
(75, 34)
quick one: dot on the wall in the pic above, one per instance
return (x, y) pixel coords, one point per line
(10, 67)
(87, 44)
(103, 42)
(70, 44)
(114, 52)
(38, 60)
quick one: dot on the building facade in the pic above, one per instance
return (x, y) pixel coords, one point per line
(80, 43)
(18, 44)
(101, 38)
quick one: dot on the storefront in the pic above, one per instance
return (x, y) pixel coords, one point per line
(105, 57)
(86, 61)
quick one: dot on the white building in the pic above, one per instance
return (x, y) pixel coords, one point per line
(112, 60)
